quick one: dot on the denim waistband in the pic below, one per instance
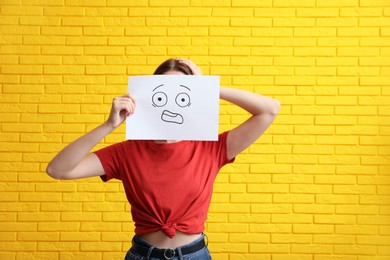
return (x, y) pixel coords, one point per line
(146, 249)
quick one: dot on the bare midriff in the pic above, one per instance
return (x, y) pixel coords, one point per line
(160, 240)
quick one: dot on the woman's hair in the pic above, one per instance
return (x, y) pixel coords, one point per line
(173, 64)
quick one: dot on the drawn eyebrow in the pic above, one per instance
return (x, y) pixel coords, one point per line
(185, 87)
(157, 87)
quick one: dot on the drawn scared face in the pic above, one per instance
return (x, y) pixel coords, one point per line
(182, 99)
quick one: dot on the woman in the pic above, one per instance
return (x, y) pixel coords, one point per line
(167, 182)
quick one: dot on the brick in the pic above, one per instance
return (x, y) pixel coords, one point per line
(293, 198)
(105, 70)
(339, 61)
(64, 69)
(368, 220)
(58, 246)
(82, 21)
(357, 170)
(293, 140)
(252, 22)
(356, 150)
(18, 147)
(21, 10)
(252, 198)
(104, 50)
(335, 179)
(310, 189)
(114, 236)
(314, 130)
(107, 11)
(227, 31)
(20, 30)
(375, 41)
(45, 108)
(334, 239)
(249, 218)
(35, 59)
(189, 12)
(232, 188)
(86, 41)
(306, 159)
(77, 82)
(207, 21)
(21, 69)
(250, 178)
(269, 248)
(20, 227)
(336, 199)
(359, 130)
(230, 208)
(62, 11)
(18, 127)
(293, 80)
(378, 81)
(61, 206)
(247, 238)
(291, 218)
(351, 71)
(358, 209)
(18, 246)
(230, 70)
(193, 31)
(346, 160)
(336, 120)
(62, 50)
(47, 197)
(317, 249)
(65, 30)
(10, 118)
(312, 229)
(335, 219)
(255, 42)
(355, 250)
(338, 41)
(231, 12)
(21, 88)
(180, 50)
(38, 236)
(80, 236)
(314, 209)
(317, 12)
(246, 3)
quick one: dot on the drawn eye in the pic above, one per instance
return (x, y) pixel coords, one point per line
(159, 99)
(183, 100)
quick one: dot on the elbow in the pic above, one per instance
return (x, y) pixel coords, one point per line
(50, 170)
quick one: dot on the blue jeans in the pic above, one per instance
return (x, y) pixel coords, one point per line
(202, 254)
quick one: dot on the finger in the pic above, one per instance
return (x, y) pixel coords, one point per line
(193, 67)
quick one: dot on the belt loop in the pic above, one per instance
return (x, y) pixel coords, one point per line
(180, 254)
(205, 237)
(149, 252)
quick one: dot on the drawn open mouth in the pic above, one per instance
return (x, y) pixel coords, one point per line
(168, 116)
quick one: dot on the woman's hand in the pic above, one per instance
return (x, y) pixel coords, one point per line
(121, 108)
(193, 67)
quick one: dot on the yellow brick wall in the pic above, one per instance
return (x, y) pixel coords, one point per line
(315, 186)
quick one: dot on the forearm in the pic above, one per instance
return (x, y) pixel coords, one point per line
(253, 103)
(68, 159)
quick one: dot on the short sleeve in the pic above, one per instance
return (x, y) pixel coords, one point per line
(222, 141)
(109, 158)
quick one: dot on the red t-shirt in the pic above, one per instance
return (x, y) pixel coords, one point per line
(169, 186)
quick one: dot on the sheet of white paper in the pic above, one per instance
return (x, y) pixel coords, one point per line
(174, 107)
